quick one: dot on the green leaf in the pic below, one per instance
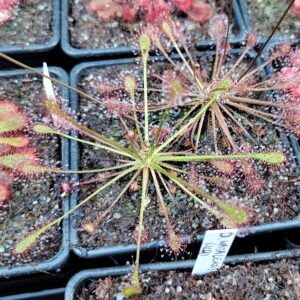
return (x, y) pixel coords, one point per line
(7, 108)
(17, 160)
(167, 29)
(273, 158)
(43, 129)
(132, 291)
(145, 44)
(20, 141)
(36, 169)
(130, 86)
(12, 123)
(234, 214)
(26, 243)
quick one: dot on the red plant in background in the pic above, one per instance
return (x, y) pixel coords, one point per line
(14, 151)
(296, 8)
(226, 172)
(154, 11)
(198, 11)
(6, 9)
(289, 116)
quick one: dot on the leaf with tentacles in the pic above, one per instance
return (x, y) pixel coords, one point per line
(143, 157)
(238, 96)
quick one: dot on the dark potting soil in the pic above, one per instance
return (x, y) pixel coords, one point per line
(87, 30)
(276, 202)
(278, 280)
(35, 200)
(264, 14)
(31, 24)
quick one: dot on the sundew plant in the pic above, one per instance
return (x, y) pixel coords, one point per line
(241, 90)
(7, 8)
(142, 157)
(15, 149)
(146, 154)
(153, 11)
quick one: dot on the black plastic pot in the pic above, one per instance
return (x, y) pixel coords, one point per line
(76, 281)
(39, 48)
(128, 51)
(53, 263)
(55, 294)
(245, 16)
(128, 249)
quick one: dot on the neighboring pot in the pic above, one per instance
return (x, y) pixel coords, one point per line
(53, 263)
(245, 16)
(77, 280)
(128, 50)
(39, 48)
(128, 249)
(55, 294)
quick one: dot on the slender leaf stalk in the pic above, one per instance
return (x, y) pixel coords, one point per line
(136, 281)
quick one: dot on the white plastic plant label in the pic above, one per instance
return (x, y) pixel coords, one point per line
(48, 87)
(213, 251)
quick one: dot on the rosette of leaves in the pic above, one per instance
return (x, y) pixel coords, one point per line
(239, 87)
(15, 152)
(154, 11)
(145, 156)
(6, 9)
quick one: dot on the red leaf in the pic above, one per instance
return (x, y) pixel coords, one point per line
(4, 193)
(199, 12)
(183, 4)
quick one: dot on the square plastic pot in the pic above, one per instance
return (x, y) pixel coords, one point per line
(55, 294)
(129, 249)
(54, 263)
(76, 281)
(39, 48)
(127, 50)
